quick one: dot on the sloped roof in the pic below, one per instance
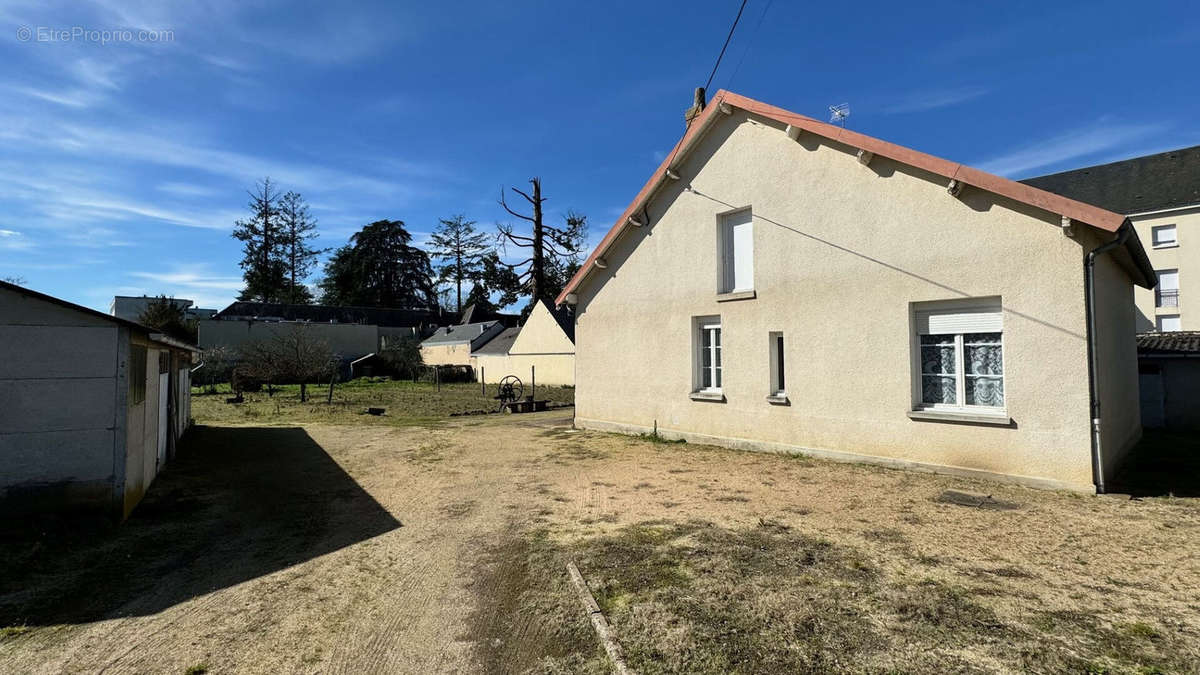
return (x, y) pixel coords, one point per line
(500, 344)
(1151, 183)
(375, 316)
(152, 333)
(1177, 342)
(461, 333)
(78, 308)
(723, 102)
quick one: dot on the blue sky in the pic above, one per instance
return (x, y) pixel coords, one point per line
(125, 163)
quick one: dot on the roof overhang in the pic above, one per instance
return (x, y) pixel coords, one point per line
(725, 102)
(164, 339)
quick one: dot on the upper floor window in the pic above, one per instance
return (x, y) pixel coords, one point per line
(1164, 236)
(736, 232)
(960, 350)
(1167, 323)
(1166, 293)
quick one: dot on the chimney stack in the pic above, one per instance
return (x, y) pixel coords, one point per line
(697, 107)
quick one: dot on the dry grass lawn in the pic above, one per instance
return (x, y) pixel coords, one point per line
(376, 548)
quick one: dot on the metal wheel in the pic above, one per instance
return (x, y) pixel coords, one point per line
(510, 389)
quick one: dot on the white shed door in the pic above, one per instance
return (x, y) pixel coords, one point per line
(164, 391)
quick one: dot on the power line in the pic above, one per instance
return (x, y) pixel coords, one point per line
(725, 46)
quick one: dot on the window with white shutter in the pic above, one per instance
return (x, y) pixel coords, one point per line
(737, 251)
(959, 348)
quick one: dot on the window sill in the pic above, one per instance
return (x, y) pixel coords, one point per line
(1157, 247)
(707, 396)
(1001, 420)
(778, 399)
(735, 295)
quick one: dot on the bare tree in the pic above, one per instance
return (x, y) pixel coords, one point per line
(293, 354)
(217, 362)
(553, 251)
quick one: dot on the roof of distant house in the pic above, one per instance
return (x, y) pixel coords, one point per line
(376, 316)
(1151, 183)
(724, 102)
(461, 333)
(474, 314)
(500, 344)
(1176, 342)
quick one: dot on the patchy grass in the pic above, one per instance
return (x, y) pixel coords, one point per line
(695, 597)
(407, 403)
(12, 631)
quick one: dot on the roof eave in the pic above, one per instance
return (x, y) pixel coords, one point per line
(1047, 201)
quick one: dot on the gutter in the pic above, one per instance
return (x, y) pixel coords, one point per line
(1089, 292)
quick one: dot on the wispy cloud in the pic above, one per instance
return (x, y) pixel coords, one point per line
(192, 277)
(1103, 136)
(923, 101)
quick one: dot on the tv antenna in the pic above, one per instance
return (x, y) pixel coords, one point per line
(839, 113)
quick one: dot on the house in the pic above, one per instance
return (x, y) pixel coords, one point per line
(452, 345)
(788, 285)
(1160, 194)
(91, 405)
(1169, 377)
(131, 307)
(541, 351)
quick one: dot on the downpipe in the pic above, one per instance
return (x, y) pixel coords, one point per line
(1089, 290)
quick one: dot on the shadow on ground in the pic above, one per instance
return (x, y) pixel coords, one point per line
(1163, 464)
(236, 504)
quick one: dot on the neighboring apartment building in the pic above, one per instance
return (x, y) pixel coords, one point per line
(1161, 195)
(130, 307)
(785, 284)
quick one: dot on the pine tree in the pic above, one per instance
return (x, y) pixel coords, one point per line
(461, 251)
(297, 229)
(262, 263)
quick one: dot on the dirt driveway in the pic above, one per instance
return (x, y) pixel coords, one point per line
(339, 549)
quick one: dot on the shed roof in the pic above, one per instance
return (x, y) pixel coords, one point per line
(1178, 342)
(461, 333)
(1150, 183)
(151, 333)
(723, 103)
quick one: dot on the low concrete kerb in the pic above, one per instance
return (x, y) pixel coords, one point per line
(603, 631)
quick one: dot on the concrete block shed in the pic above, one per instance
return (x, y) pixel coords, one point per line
(91, 405)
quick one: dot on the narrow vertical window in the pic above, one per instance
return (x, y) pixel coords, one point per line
(737, 251)
(778, 379)
(1166, 292)
(707, 366)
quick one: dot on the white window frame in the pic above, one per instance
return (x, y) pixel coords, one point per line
(776, 346)
(1172, 228)
(1159, 288)
(1158, 323)
(705, 326)
(986, 306)
(727, 259)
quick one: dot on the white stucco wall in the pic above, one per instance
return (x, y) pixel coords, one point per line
(541, 350)
(841, 250)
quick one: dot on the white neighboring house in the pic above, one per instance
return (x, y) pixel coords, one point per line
(91, 405)
(541, 351)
